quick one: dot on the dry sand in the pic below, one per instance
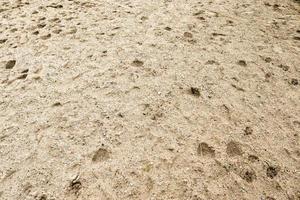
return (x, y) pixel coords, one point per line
(149, 99)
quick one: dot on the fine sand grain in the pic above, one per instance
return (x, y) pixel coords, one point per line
(149, 99)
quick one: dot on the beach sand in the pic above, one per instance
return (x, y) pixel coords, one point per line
(157, 99)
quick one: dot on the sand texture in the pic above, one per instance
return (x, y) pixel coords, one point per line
(149, 99)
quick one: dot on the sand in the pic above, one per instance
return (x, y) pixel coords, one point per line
(157, 99)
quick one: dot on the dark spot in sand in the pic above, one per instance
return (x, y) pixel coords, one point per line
(211, 62)
(268, 75)
(43, 197)
(168, 28)
(188, 35)
(41, 25)
(57, 31)
(268, 59)
(294, 81)
(23, 76)
(297, 38)
(56, 104)
(75, 186)
(284, 67)
(10, 64)
(35, 32)
(144, 18)
(3, 41)
(253, 158)
(270, 198)
(218, 34)
(242, 63)
(238, 88)
(249, 175)
(101, 155)
(205, 150)
(13, 30)
(45, 37)
(137, 63)
(233, 149)
(199, 13)
(272, 171)
(195, 91)
(25, 71)
(248, 130)
(53, 5)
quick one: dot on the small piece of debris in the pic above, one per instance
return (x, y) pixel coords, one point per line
(242, 63)
(168, 28)
(195, 91)
(10, 64)
(137, 63)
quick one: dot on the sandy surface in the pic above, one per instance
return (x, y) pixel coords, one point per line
(149, 99)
